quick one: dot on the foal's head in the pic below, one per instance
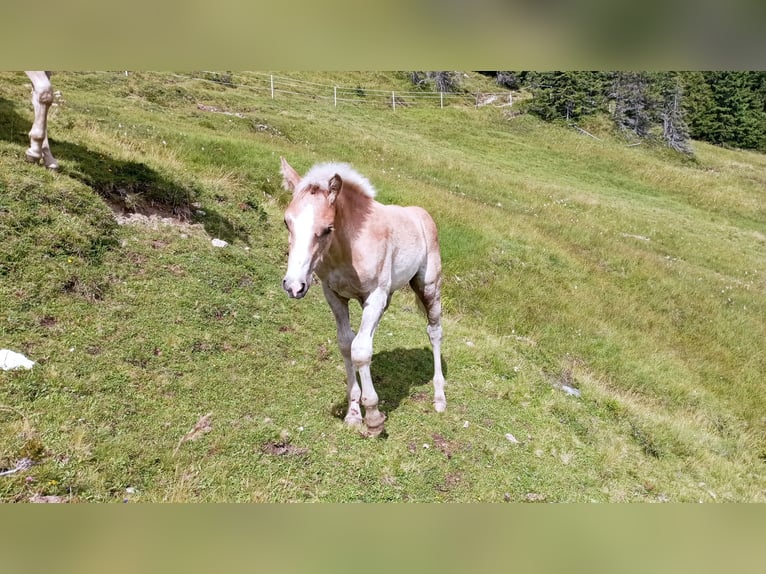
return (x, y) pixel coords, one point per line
(309, 219)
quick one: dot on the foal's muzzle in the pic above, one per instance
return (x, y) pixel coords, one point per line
(295, 289)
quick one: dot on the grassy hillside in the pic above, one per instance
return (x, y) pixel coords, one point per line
(633, 276)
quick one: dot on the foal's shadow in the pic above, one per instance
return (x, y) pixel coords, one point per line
(399, 374)
(127, 186)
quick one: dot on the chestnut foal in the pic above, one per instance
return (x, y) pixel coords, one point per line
(364, 250)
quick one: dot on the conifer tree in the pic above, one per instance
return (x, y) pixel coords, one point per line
(675, 131)
(630, 92)
(566, 95)
(737, 115)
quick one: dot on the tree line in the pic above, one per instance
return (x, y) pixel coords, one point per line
(726, 108)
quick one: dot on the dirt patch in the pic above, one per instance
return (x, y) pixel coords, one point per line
(152, 216)
(420, 396)
(217, 110)
(451, 481)
(283, 449)
(534, 497)
(443, 445)
(46, 499)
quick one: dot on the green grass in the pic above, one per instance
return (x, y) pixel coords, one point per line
(629, 273)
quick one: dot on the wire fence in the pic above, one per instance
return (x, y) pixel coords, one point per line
(277, 87)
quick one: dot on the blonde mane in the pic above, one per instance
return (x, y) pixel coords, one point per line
(321, 173)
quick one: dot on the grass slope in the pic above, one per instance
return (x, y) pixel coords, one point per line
(634, 276)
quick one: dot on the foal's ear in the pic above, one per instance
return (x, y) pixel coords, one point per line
(334, 188)
(290, 177)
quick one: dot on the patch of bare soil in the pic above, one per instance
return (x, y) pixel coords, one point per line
(283, 449)
(47, 499)
(153, 216)
(445, 446)
(451, 481)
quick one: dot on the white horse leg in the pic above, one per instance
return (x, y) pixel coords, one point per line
(435, 335)
(345, 338)
(42, 98)
(361, 356)
(429, 295)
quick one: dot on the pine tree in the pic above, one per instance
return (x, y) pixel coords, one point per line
(737, 115)
(675, 131)
(443, 81)
(698, 104)
(566, 95)
(633, 106)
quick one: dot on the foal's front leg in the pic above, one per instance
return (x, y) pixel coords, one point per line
(361, 356)
(339, 308)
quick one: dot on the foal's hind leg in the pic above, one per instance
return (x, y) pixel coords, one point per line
(427, 287)
(42, 99)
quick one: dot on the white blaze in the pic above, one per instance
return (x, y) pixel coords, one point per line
(299, 259)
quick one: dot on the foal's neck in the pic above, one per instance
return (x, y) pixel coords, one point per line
(352, 208)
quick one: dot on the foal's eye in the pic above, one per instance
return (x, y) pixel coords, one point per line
(326, 231)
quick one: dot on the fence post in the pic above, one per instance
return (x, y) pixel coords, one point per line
(335, 96)
(441, 98)
(272, 86)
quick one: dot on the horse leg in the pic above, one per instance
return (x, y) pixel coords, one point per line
(361, 356)
(42, 98)
(339, 308)
(427, 287)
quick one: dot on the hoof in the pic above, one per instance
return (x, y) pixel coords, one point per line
(353, 420)
(440, 406)
(49, 161)
(373, 421)
(31, 158)
(372, 432)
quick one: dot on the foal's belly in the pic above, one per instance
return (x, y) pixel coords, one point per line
(348, 283)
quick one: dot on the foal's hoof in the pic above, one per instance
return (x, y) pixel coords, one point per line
(353, 420)
(372, 432)
(46, 159)
(440, 406)
(374, 423)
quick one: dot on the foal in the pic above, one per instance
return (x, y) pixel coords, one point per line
(363, 250)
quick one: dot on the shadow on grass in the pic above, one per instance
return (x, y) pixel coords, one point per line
(400, 374)
(127, 186)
